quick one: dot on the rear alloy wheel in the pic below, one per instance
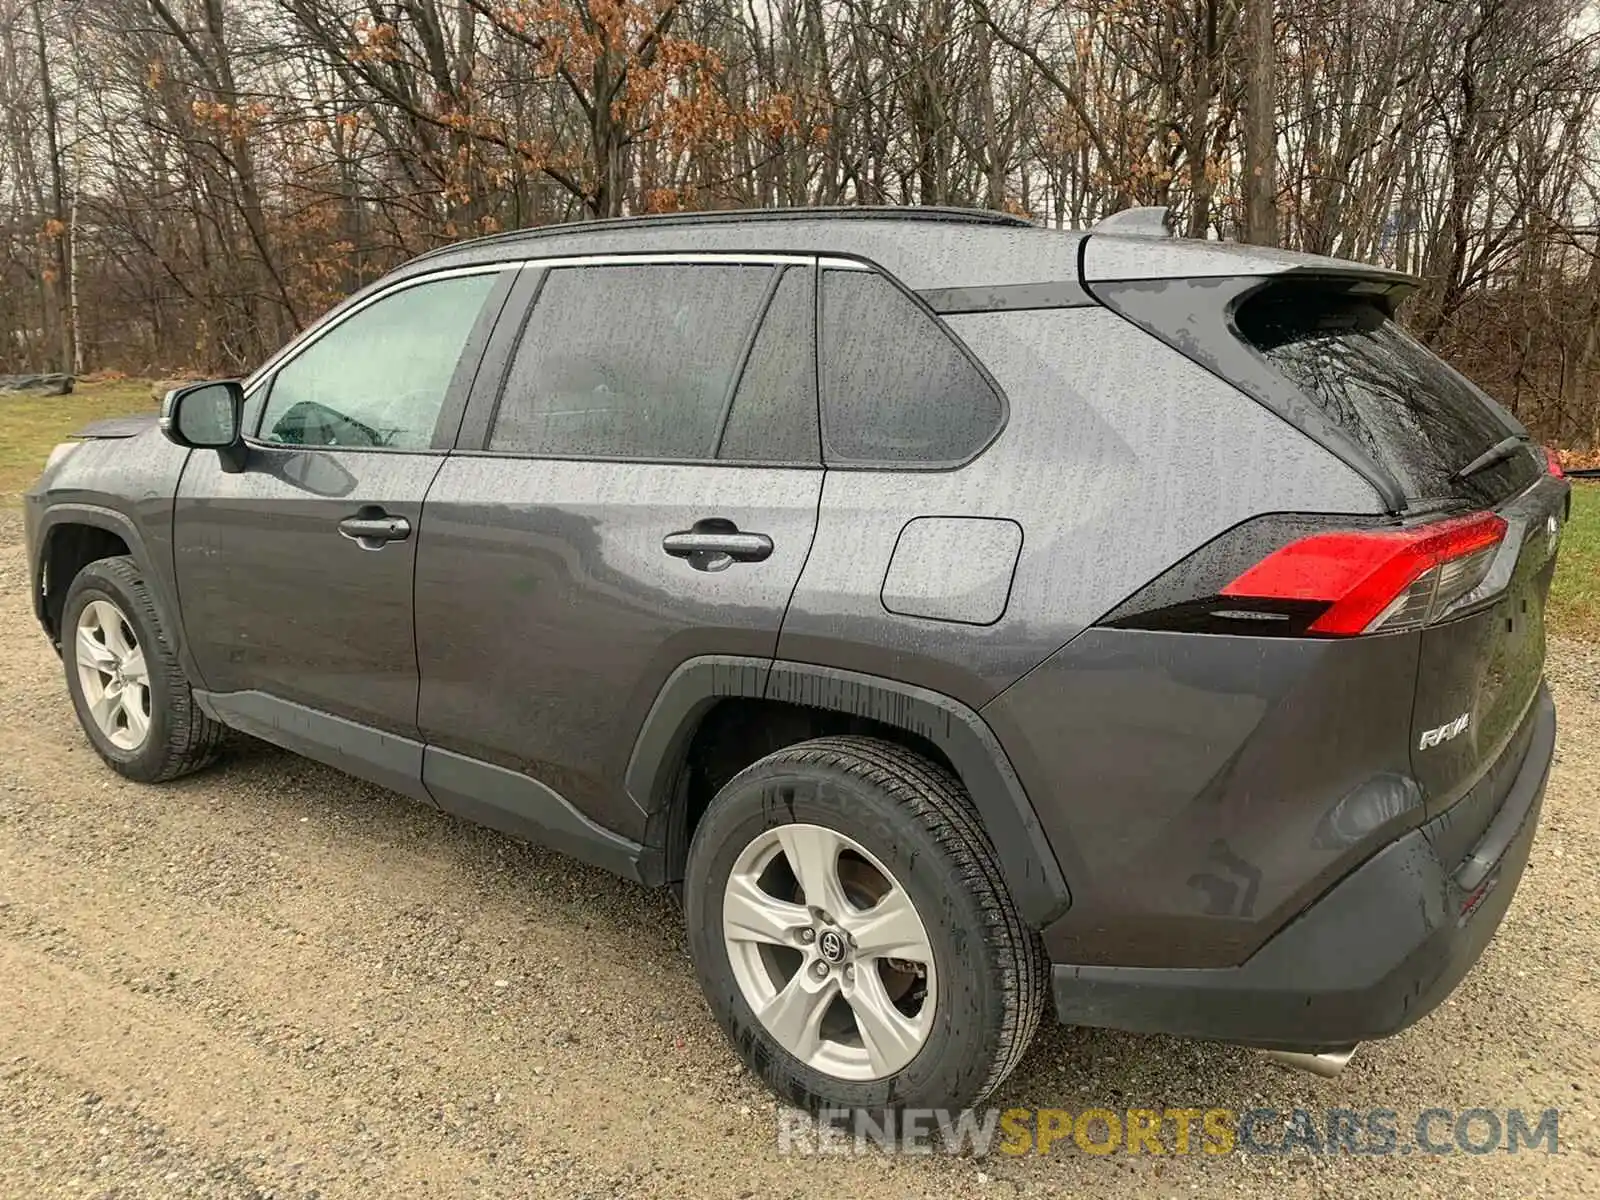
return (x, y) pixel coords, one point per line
(852, 932)
(829, 952)
(127, 685)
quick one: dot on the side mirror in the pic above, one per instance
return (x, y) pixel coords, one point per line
(207, 416)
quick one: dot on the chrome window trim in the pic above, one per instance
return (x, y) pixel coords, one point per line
(660, 258)
(666, 258)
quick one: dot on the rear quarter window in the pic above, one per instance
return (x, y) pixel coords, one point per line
(897, 389)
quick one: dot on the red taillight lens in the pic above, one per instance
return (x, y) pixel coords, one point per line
(1378, 580)
(1552, 461)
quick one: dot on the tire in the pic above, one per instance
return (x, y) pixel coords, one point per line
(915, 826)
(174, 736)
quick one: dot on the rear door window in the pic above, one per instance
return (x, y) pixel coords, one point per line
(774, 413)
(897, 389)
(1414, 414)
(630, 361)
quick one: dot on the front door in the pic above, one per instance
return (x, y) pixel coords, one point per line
(295, 574)
(644, 489)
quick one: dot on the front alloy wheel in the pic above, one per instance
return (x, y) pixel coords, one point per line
(113, 675)
(127, 686)
(829, 952)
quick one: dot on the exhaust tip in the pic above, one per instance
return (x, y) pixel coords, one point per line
(1328, 1064)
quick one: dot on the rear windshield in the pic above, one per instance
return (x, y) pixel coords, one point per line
(1415, 415)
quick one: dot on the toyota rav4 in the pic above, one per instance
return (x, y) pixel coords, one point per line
(968, 619)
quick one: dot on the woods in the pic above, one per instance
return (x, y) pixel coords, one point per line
(185, 183)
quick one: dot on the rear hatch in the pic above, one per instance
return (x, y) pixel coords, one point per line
(1464, 466)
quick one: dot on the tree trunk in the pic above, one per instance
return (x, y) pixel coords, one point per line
(60, 224)
(1202, 87)
(993, 160)
(1260, 130)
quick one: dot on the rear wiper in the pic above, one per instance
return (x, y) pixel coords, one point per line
(1499, 452)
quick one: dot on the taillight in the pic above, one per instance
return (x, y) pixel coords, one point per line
(1552, 462)
(1376, 580)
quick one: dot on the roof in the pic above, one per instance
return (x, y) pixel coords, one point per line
(925, 248)
(749, 216)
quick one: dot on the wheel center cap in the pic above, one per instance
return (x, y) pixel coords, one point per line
(831, 946)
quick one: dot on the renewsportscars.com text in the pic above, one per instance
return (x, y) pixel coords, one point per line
(1171, 1131)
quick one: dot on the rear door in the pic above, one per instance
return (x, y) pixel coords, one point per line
(1451, 449)
(637, 484)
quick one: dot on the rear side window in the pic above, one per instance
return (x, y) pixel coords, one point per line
(774, 413)
(896, 389)
(629, 361)
(1388, 392)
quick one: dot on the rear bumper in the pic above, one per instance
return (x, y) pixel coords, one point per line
(1376, 953)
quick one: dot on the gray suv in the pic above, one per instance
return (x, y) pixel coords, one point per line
(968, 619)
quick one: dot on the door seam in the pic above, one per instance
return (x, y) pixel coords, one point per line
(416, 647)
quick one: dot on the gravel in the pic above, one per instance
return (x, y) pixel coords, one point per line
(272, 980)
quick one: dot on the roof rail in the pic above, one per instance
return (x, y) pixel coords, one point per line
(852, 212)
(1148, 221)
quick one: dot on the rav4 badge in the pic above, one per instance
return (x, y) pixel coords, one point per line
(1432, 737)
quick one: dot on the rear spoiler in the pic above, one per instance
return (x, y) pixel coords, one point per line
(1142, 243)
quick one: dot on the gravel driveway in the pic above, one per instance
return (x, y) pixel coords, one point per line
(273, 980)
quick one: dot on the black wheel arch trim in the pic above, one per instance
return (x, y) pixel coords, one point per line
(111, 520)
(1031, 870)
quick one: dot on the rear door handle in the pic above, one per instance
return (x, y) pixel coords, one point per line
(716, 544)
(372, 528)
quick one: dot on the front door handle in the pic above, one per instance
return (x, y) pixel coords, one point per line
(716, 544)
(372, 528)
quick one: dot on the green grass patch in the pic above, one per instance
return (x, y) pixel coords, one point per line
(31, 425)
(1575, 594)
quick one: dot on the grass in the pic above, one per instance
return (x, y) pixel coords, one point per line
(30, 425)
(1575, 594)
